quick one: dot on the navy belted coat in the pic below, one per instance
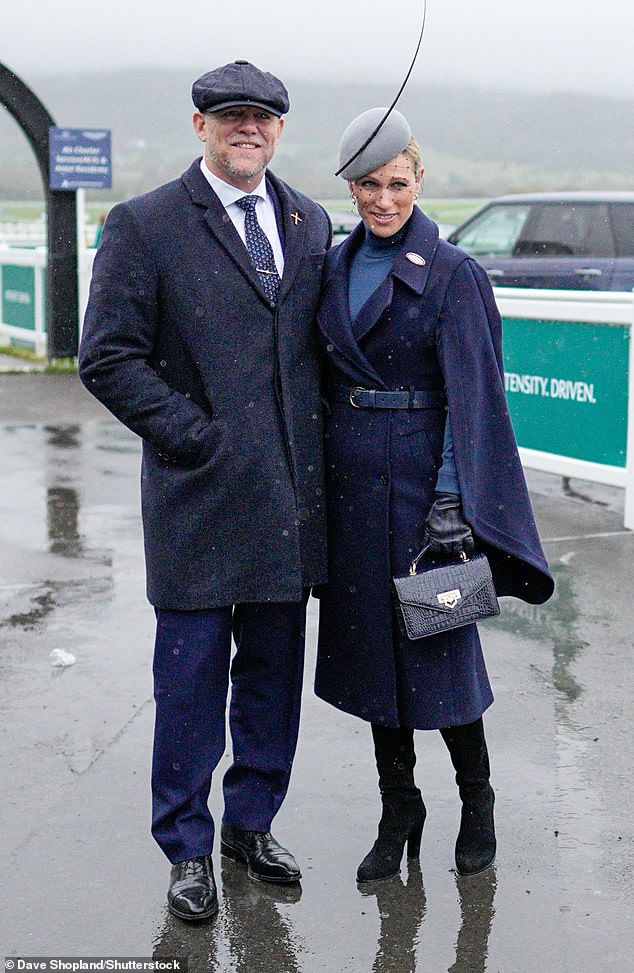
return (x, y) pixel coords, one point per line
(182, 345)
(432, 325)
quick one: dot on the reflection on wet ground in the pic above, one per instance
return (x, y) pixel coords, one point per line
(43, 488)
(62, 509)
(42, 604)
(46, 597)
(402, 907)
(52, 466)
(555, 624)
(63, 436)
(254, 930)
(476, 895)
(75, 753)
(57, 574)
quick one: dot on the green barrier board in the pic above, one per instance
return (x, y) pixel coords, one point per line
(567, 388)
(18, 296)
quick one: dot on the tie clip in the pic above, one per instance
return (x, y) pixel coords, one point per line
(260, 271)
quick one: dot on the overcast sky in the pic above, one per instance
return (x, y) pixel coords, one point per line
(542, 45)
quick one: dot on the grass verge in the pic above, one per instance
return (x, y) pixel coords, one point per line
(64, 366)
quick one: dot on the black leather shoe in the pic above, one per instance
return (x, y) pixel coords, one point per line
(265, 859)
(192, 893)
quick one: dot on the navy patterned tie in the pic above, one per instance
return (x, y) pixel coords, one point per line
(259, 248)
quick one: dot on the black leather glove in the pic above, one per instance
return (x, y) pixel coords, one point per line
(446, 530)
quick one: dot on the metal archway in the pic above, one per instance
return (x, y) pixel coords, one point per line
(62, 288)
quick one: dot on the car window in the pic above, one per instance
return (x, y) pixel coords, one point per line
(495, 233)
(623, 224)
(566, 229)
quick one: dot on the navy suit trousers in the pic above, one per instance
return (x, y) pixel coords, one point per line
(192, 671)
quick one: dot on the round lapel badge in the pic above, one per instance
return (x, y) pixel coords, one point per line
(416, 258)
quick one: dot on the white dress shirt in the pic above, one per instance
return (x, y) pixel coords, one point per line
(265, 211)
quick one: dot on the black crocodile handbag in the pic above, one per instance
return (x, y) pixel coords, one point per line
(444, 597)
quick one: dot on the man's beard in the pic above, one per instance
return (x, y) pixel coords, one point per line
(224, 163)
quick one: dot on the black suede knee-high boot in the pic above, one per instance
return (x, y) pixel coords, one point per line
(403, 813)
(476, 845)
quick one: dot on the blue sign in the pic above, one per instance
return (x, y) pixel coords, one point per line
(80, 158)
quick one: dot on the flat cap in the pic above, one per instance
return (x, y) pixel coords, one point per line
(240, 83)
(389, 141)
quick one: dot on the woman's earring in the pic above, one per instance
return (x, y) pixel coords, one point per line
(354, 200)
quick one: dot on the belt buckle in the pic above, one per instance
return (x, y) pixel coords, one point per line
(351, 397)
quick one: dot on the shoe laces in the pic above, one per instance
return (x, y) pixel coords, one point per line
(196, 866)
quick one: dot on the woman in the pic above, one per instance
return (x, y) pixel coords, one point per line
(419, 449)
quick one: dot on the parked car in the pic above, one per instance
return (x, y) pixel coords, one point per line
(568, 241)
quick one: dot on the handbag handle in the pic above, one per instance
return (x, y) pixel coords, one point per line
(414, 565)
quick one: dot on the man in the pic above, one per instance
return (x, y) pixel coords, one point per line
(198, 336)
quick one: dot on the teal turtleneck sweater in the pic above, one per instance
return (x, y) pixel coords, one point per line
(369, 267)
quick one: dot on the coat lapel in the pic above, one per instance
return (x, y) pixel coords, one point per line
(411, 267)
(293, 232)
(220, 224)
(334, 313)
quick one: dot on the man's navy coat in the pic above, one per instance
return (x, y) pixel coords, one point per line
(431, 325)
(181, 344)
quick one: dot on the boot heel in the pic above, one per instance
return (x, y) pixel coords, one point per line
(413, 842)
(401, 824)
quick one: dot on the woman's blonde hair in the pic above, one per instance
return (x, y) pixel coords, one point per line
(413, 152)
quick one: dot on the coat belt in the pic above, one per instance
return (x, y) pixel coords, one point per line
(362, 398)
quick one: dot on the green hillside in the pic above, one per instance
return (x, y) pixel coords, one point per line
(476, 142)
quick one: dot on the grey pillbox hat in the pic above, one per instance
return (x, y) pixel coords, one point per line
(389, 141)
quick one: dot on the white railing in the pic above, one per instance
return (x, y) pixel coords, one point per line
(32, 233)
(22, 295)
(29, 233)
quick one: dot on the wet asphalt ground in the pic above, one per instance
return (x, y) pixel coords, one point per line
(80, 874)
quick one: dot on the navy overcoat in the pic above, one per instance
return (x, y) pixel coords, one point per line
(431, 325)
(181, 344)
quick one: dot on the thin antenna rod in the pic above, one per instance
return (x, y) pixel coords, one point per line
(400, 92)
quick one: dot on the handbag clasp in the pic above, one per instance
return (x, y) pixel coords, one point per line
(449, 599)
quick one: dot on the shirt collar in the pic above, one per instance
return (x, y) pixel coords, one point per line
(230, 194)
